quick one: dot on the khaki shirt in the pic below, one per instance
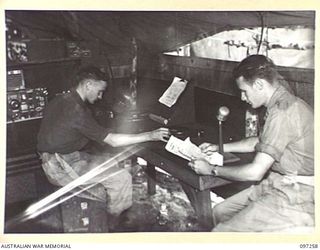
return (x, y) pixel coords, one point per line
(288, 134)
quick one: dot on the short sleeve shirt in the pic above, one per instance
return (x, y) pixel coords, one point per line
(288, 134)
(68, 125)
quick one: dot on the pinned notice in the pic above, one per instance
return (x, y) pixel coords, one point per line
(171, 95)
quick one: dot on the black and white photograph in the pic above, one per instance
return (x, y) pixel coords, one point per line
(140, 121)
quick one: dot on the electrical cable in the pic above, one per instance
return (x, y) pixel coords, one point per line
(262, 29)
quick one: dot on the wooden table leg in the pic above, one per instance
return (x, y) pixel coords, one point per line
(201, 202)
(151, 179)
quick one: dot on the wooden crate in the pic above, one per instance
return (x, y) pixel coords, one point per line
(80, 215)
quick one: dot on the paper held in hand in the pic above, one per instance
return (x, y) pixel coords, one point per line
(187, 150)
(171, 95)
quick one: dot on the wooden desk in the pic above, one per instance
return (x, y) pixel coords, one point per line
(197, 187)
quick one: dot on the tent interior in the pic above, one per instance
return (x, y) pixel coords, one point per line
(141, 51)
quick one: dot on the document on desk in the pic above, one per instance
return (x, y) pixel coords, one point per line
(171, 95)
(187, 150)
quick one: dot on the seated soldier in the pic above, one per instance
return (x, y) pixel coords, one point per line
(68, 126)
(283, 167)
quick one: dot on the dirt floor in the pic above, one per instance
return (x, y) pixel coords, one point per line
(143, 216)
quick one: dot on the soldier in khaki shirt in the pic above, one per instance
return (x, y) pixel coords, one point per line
(283, 199)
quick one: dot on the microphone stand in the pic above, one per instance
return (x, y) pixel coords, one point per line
(220, 138)
(221, 116)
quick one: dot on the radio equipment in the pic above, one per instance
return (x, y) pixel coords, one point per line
(15, 80)
(26, 104)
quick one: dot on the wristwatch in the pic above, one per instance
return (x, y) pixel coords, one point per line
(214, 170)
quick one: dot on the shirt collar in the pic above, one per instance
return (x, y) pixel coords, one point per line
(75, 95)
(275, 97)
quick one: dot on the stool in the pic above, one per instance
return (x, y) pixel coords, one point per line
(82, 215)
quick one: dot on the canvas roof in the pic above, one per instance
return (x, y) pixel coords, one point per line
(157, 31)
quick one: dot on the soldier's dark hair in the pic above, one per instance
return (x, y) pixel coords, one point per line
(91, 72)
(256, 66)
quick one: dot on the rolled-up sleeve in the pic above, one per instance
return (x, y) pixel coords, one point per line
(276, 134)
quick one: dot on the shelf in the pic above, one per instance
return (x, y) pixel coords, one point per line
(24, 120)
(24, 64)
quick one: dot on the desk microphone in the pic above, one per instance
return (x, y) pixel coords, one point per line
(223, 112)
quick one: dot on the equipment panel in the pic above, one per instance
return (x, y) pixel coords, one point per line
(26, 104)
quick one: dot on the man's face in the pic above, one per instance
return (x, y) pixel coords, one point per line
(251, 93)
(95, 90)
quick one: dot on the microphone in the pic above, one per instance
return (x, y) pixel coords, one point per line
(223, 112)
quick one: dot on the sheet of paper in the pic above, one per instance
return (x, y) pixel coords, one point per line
(190, 149)
(171, 95)
(175, 146)
(187, 150)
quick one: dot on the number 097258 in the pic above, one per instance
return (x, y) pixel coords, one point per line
(305, 246)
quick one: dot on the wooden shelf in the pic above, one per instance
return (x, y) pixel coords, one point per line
(24, 120)
(25, 64)
(23, 163)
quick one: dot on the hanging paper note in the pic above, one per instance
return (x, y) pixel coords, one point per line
(171, 95)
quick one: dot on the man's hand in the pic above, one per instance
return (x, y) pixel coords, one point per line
(201, 166)
(160, 134)
(208, 148)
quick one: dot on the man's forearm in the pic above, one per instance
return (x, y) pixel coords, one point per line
(118, 140)
(246, 145)
(238, 173)
(253, 171)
